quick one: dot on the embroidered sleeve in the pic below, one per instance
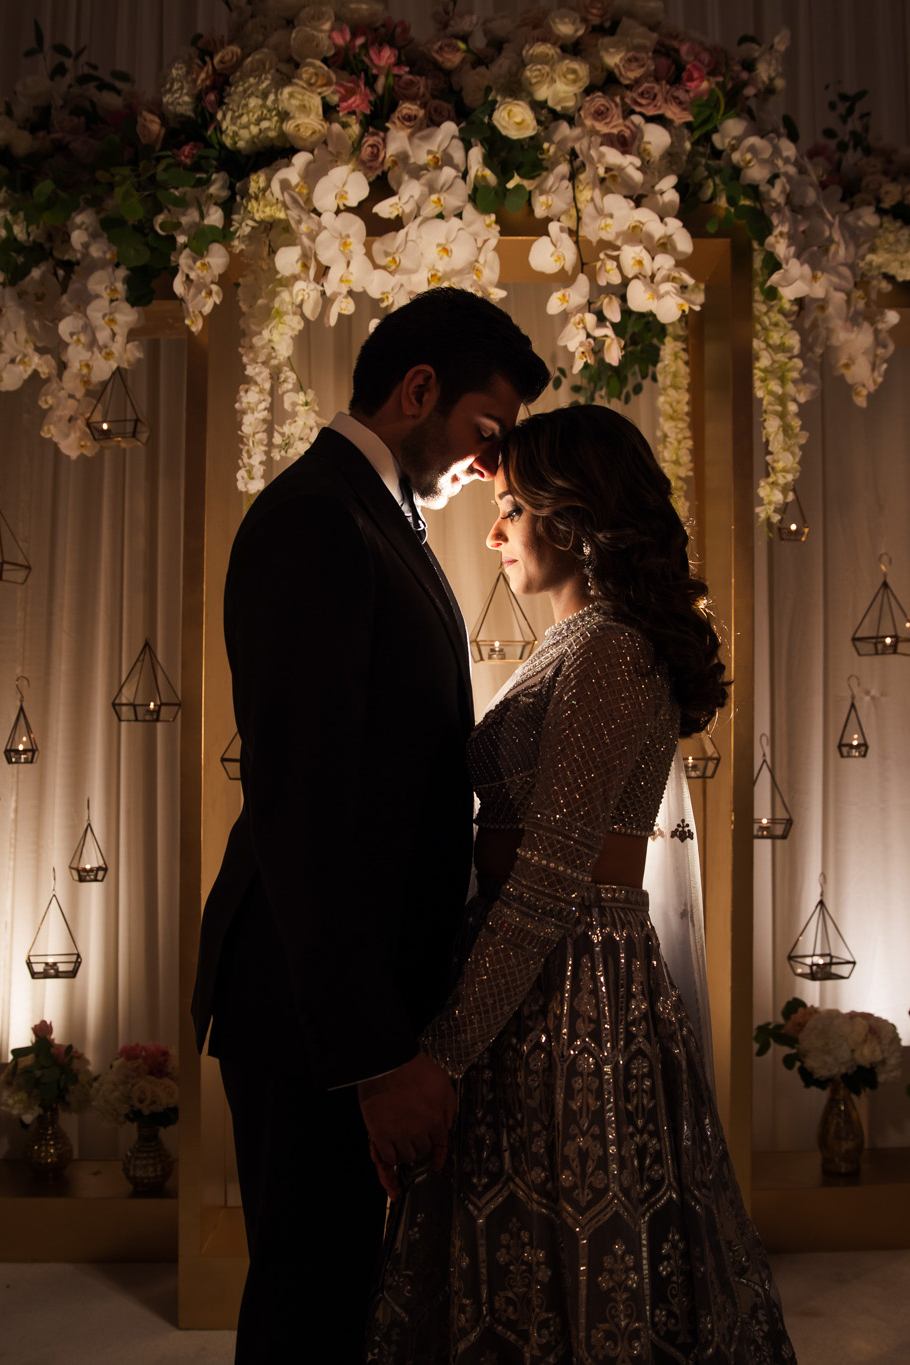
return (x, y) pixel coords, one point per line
(602, 709)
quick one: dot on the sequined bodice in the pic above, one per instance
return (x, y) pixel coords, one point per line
(589, 689)
(579, 746)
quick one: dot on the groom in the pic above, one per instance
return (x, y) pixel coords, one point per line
(326, 939)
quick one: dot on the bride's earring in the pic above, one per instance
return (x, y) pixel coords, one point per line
(587, 566)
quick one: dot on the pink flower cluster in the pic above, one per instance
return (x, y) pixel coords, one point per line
(45, 1029)
(154, 1057)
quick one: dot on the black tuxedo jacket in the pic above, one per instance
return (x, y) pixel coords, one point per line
(349, 862)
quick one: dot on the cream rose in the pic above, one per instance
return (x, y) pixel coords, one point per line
(537, 79)
(310, 44)
(299, 102)
(279, 42)
(306, 127)
(227, 59)
(543, 53)
(572, 74)
(258, 63)
(566, 24)
(317, 16)
(315, 76)
(514, 118)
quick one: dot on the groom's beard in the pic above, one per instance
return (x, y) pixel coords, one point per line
(422, 451)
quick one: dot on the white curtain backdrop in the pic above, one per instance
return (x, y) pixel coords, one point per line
(104, 538)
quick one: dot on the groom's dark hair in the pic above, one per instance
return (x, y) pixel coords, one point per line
(466, 339)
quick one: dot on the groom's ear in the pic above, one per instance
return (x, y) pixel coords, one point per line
(419, 391)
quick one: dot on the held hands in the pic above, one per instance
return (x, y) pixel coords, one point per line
(408, 1114)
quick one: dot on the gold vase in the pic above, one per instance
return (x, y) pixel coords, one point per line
(148, 1163)
(840, 1132)
(48, 1150)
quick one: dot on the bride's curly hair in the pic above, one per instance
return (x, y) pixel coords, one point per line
(588, 476)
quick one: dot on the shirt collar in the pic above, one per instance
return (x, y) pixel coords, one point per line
(373, 449)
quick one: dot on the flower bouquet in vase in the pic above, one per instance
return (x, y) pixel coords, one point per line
(35, 1085)
(140, 1086)
(843, 1052)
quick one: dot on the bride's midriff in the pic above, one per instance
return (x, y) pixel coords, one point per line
(620, 862)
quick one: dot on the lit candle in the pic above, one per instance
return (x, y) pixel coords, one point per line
(792, 525)
(496, 651)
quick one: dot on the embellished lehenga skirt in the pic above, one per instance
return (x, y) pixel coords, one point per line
(589, 1211)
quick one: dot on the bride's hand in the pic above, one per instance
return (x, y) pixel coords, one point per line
(388, 1175)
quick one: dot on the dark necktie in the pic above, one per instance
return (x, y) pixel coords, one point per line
(417, 521)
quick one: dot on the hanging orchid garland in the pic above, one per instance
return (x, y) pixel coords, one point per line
(269, 141)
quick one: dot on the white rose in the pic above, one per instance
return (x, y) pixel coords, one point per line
(315, 76)
(368, 12)
(34, 90)
(537, 79)
(305, 130)
(258, 63)
(544, 53)
(299, 102)
(514, 118)
(572, 73)
(317, 16)
(310, 44)
(566, 24)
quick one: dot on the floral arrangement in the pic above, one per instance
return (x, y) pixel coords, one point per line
(858, 1048)
(45, 1075)
(868, 175)
(140, 1083)
(603, 125)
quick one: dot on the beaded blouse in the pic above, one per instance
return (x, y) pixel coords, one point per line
(579, 746)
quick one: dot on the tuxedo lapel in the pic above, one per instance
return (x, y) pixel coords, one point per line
(346, 460)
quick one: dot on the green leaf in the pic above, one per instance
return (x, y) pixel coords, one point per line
(516, 198)
(132, 249)
(170, 199)
(829, 132)
(39, 37)
(202, 238)
(790, 1061)
(121, 75)
(58, 69)
(169, 173)
(169, 225)
(557, 381)
(61, 50)
(712, 224)
(790, 128)
(129, 202)
(487, 197)
(43, 191)
(32, 52)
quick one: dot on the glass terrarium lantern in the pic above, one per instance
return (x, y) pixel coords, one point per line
(115, 419)
(885, 626)
(852, 742)
(230, 759)
(53, 954)
(502, 631)
(820, 952)
(700, 756)
(14, 565)
(146, 693)
(21, 746)
(771, 818)
(87, 863)
(793, 525)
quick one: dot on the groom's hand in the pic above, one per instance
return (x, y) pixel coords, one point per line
(409, 1111)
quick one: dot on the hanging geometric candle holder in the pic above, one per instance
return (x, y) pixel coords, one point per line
(885, 627)
(774, 820)
(700, 756)
(115, 420)
(21, 746)
(793, 524)
(502, 630)
(146, 693)
(14, 565)
(820, 952)
(87, 863)
(230, 759)
(53, 952)
(852, 742)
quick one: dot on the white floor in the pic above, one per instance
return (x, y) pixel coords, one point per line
(842, 1308)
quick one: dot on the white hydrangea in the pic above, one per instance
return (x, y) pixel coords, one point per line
(251, 115)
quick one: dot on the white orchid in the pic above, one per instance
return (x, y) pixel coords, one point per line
(555, 252)
(340, 189)
(571, 297)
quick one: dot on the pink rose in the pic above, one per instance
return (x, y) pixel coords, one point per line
(602, 113)
(798, 1021)
(410, 89)
(691, 51)
(149, 128)
(447, 53)
(187, 153)
(633, 66)
(408, 118)
(58, 1052)
(695, 79)
(624, 140)
(43, 1029)
(371, 156)
(677, 104)
(439, 112)
(648, 97)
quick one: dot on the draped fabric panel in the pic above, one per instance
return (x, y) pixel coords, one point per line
(104, 537)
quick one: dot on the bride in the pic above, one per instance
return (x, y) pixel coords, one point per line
(589, 1210)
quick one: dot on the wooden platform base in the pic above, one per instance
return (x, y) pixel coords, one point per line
(87, 1214)
(797, 1208)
